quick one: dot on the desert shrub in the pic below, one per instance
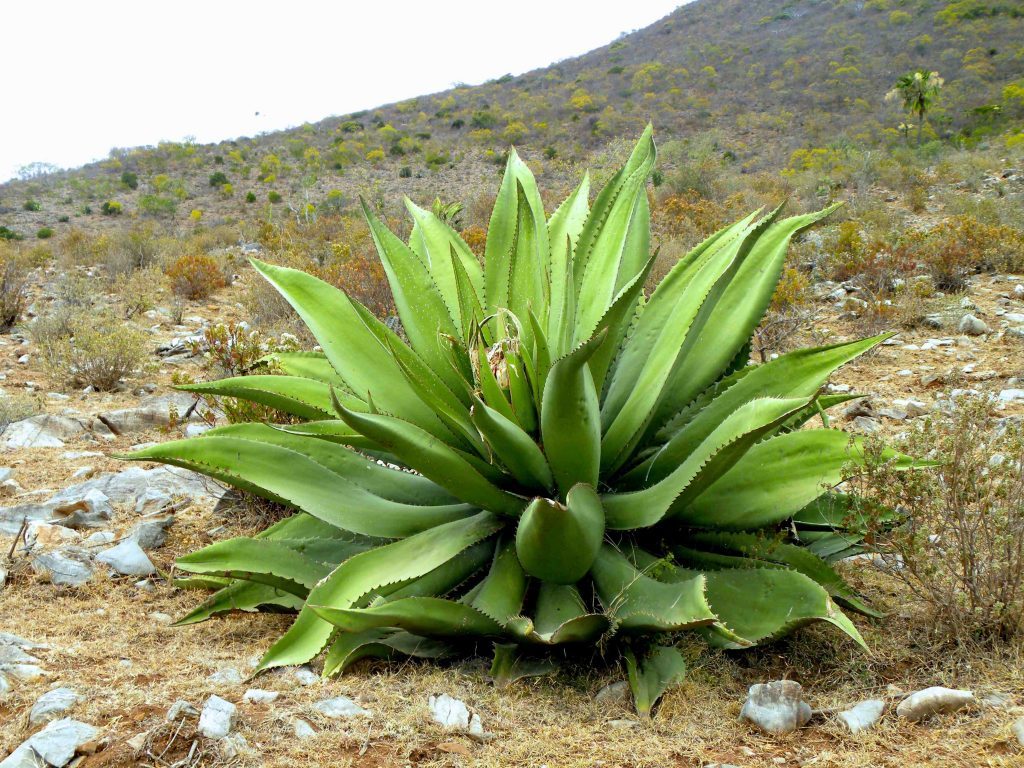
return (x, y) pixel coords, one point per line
(218, 179)
(961, 246)
(130, 180)
(44, 233)
(98, 351)
(18, 406)
(111, 208)
(274, 197)
(791, 311)
(32, 205)
(14, 276)
(137, 248)
(195, 276)
(6, 233)
(960, 544)
(689, 216)
(138, 290)
(157, 205)
(250, 197)
(476, 238)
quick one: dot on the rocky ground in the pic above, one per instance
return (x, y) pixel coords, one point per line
(92, 674)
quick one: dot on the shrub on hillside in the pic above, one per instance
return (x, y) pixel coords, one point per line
(9, 234)
(130, 180)
(195, 276)
(32, 205)
(218, 179)
(14, 273)
(44, 233)
(96, 351)
(274, 197)
(16, 407)
(112, 208)
(960, 548)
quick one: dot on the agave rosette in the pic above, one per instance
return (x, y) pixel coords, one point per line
(547, 456)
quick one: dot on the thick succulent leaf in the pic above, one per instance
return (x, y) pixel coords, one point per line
(735, 314)
(503, 232)
(302, 478)
(351, 344)
(762, 604)
(845, 512)
(511, 664)
(264, 561)
(755, 549)
(331, 431)
(720, 450)
(557, 543)
(797, 374)
(500, 595)
(375, 571)
(564, 229)
(668, 326)
(307, 365)
(777, 478)
(305, 398)
(426, 616)
(529, 269)
(570, 421)
(348, 648)
(442, 580)
(515, 449)
(241, 596)
(469, 298)
(442, 250)
(817, 407)
(638, 603)
(520, 390)
(614, 243)
(434, 460)
(653, 674)
(560, 617)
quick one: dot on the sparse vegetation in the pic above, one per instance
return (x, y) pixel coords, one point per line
(94, 351)
(195, 276)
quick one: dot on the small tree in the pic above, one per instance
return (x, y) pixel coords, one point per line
(918, 91)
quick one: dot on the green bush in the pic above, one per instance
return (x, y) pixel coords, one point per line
(274, 196)
(250, 197)
(157, 205)
(99, 352)
(44, 233)
(32, 205)
(112, 208)
(9, 234)
(129, 180)
(218, 179)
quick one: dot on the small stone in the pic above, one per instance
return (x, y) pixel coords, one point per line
(258, 696)
(448, 712)
(138, 741)
(66, 568)
(99, 539)
(128, 559)
(195, 430)
(13, 654)
(161, 618)
(26, 673)
(151, 532)
(56, 744)
(912, 407)
(305, 676)
(92, 510)
(1011, 395)
(226, 676)
(232, 745)
(303, 730)
(152, 500)
(862, 716)
(996, 700)
(776, 707)
(613, 695)
(1018, 731)
(867, 424)
(180, 709)
(217, 718)
(340, 706)
(52, 704)
(5, 686)
(933, 701)
(83, 473)
(45, 537)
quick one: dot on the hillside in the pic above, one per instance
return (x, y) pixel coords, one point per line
(743, 84)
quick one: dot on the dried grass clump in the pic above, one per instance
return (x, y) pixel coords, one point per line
(91, 351)
(195, 276)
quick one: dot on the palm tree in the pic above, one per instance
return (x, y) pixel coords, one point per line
(918, 90)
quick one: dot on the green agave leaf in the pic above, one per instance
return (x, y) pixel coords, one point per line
(507, 225)
(241, 596)
(263, 561)
(777, 478)
(305, 478)
(351, 345)
(570, 421)
(652, 675)
(500, 595)
(721, 449)
(558, 543)
(734, 315)
(614, 243)
(564, 228)
(446, 256)
(560, 617)
(423, 308)
(638, 603)
(797, 374)
(515, 449)
(755, 549)
(434, 460)
(305, 398)
(348, 648)
(307, 365)
(529, 269)
(426, 616)
(763, 603)
(510, 664)
(373, 571)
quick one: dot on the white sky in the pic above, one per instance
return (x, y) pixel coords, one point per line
(82, 77)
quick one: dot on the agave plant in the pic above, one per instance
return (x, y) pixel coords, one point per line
(545, 457)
